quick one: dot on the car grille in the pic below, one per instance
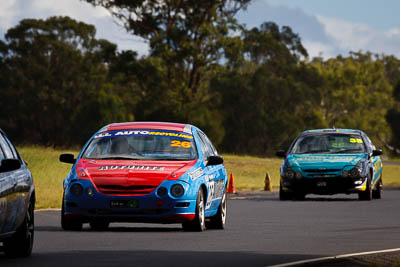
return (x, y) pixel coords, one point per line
(126, 190)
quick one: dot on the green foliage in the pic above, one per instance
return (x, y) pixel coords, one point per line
(251, 90)
(271, 95)
(392, 66)
(186, 44)
(356, 94)
(55, 82)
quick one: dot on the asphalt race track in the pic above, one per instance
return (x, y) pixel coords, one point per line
(261, 231)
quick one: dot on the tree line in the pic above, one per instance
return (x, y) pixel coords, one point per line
(252, 90)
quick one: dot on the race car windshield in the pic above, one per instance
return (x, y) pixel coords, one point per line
(141, 145)
(329, 144)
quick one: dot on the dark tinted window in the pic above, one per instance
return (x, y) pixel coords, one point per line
(369, 143)
(203, 146)
(2, 154)
(329, 143)
(141, 144)
(13, 149)
(6, 148)
(210, 145)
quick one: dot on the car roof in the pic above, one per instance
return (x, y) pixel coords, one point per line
(170, 126)
(332, 130)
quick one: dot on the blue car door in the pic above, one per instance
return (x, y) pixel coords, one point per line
(214, 174)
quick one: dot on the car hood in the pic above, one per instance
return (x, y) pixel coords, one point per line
(328, 161)
(126, 175)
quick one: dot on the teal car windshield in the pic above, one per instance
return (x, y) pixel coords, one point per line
(329, 143)
(141, 144)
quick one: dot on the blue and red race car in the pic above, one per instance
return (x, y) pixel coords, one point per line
(145, 172)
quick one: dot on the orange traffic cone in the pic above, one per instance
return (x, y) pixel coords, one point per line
(231, 185)
(267, 186)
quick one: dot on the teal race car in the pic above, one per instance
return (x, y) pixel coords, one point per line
(331, 161)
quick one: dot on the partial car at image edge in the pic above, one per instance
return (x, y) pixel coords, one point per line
(17, 202)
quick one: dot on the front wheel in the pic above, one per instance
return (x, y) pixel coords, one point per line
(198, 224)
(99, 225)
(68, 224)
(21, 243)
(284, 195)
(367, 194)
(218, 221)
(377, 192)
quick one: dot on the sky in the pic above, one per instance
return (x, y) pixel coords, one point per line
(327, 28)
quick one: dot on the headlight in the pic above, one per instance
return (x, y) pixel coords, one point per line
(162, 191)
(355, 172)
(177, 190)
(289, 174)
(360, 164)
(76, 189)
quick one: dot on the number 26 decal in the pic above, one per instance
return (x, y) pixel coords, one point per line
(180, 144)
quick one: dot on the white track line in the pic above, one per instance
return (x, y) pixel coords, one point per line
(335, 257)
(54, 209)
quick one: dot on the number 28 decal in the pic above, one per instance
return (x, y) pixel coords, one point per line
(180, 144)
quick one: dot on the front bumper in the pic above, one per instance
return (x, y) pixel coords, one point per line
(324, 186)
(147, 208)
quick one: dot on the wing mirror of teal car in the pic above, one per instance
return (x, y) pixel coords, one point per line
(214, 160)
(8, 165)
(281, 153)
(377, 152)
(67, 158)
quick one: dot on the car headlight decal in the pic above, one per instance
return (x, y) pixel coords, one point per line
(177, 190)
(359, 169)
(289, 174)
(162, 191)
(355, 172)
(76, 189)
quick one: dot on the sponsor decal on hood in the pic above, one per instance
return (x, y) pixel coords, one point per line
(105, 173)
(324, 160)
(130, 167)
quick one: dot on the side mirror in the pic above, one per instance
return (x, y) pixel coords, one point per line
(281, 153)
(67, 158)
(377, 152)
(214, 160)
(8, 165)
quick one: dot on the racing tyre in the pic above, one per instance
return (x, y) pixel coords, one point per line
(21, 243)
(99, 225)
(377, 192)
(218, 221)
(69, 224)
(198, 224)
(299, 196)
(367, 194)
(284, 195)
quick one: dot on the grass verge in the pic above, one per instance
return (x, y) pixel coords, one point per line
(249, 172)
(48, 173)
